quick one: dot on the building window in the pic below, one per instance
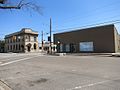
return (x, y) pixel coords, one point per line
(29, 38)
(22, 38)
(19, 37)
(22, 47)
(8, 47)
(35, 46)
(8, 40)
(67, 47)
(14, 39)
(40, 47)
(5, 40)
(11, 40)
(18, 40)
(19, 46)
(86, 46)
(25, 37)
(35, 39)
(16, 46)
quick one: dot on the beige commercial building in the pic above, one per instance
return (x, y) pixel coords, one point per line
(25, 40)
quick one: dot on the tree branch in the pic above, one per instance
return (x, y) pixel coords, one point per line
(2, 1)
(9, 7)
(23, 5)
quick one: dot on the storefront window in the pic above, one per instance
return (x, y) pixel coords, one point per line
(86, 46)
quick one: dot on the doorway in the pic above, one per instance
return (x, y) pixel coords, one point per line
(28, 48)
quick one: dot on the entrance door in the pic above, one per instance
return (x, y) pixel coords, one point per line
(28, 48)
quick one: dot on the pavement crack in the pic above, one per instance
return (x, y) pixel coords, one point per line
(4, 85)
(39, 81)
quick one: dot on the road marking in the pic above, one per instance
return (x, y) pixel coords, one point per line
(16, 61)
(25, 76)
(8, 59)
(74, 70)
(89, 85)
(1, 88)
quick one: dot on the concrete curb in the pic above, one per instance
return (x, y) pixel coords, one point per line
(116, 54)
(4, 86)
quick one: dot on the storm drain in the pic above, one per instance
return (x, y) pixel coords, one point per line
(4, 86)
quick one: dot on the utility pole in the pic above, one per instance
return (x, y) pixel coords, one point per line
(50, 35)
(42, 40)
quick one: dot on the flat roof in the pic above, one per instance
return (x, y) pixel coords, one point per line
(80, 29)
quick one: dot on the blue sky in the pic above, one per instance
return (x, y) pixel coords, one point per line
(64, 13)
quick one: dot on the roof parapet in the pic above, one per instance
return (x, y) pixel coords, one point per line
(23, 31)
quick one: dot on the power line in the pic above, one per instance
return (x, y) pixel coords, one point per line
(114, 10)
(112, 17)
(95, 10)
(91, 25)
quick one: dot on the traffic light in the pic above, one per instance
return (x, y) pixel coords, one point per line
(49, 38)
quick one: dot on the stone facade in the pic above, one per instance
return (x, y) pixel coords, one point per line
(25, 40)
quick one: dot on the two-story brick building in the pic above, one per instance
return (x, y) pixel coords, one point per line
(25, 40)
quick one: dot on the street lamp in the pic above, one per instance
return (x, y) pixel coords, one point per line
(58, 42)
(58, 46)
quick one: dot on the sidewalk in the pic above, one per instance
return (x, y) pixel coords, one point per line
(116, 54)
(88, 54)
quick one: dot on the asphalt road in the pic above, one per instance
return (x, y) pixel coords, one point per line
(42, 72)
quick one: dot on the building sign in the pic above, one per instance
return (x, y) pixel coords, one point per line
(86, 46)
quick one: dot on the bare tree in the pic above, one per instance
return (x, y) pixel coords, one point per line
(2, 1)
(22, 4)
